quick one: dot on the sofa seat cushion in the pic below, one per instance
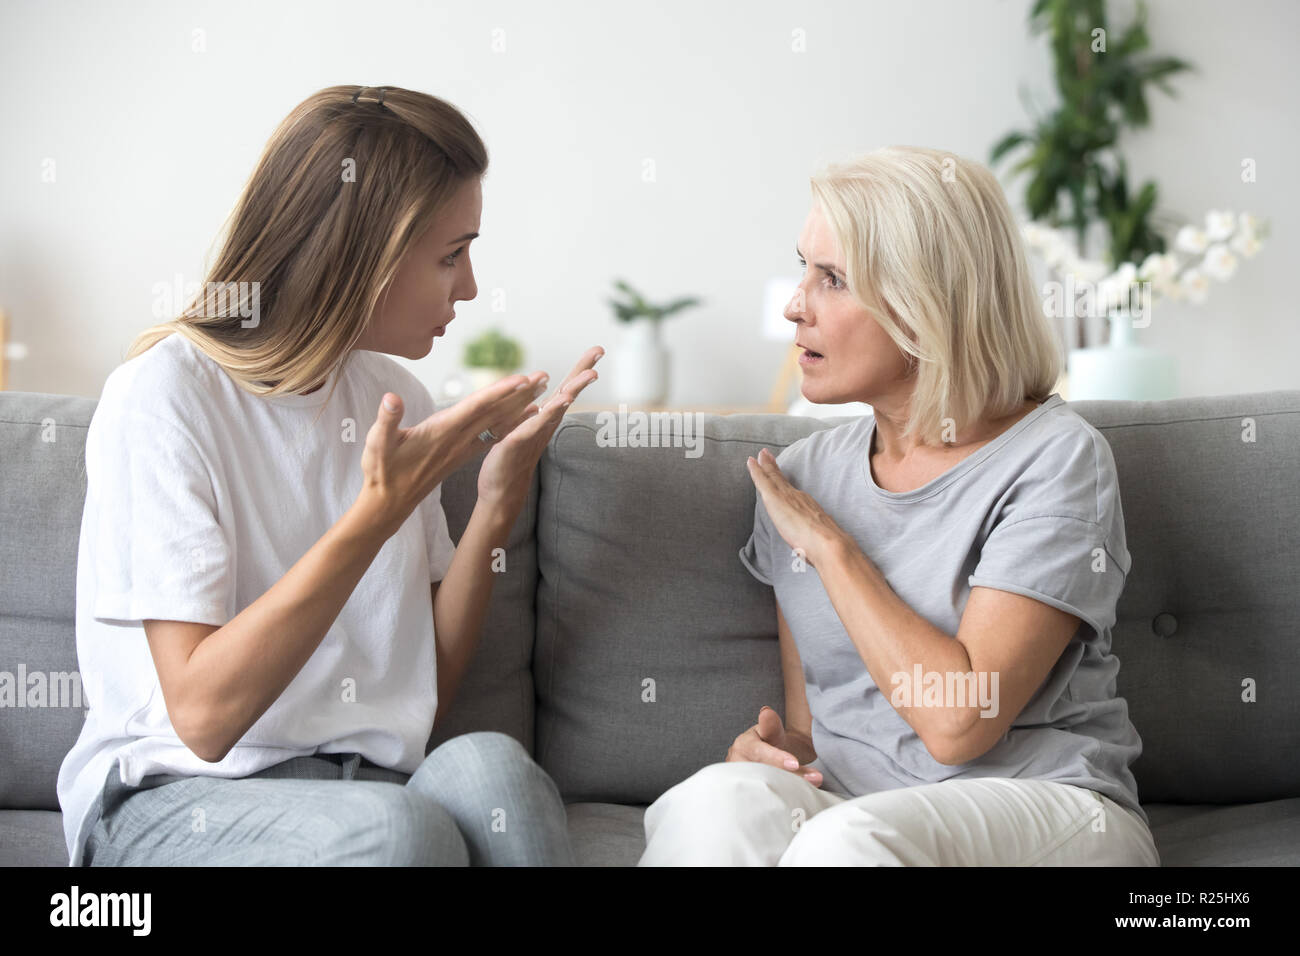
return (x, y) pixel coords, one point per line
(606, 834)
(1248, 834)
(32, 838)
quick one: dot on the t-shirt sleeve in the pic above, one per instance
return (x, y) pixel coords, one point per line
(756, 555)
(438, 538)
(1070, 553)
(159, 551)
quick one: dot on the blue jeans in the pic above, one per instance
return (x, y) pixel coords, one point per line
(478, 799)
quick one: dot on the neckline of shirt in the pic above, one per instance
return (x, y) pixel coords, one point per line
(311, 399)
(938, 483)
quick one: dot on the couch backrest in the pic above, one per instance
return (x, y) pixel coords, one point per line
(655, 647)
(42, 488)
(42, 492)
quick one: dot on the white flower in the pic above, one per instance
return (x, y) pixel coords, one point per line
(1195, 285)
(1113, 291)
(1245, 243)
(1219, 262)
(1219, 225)
(1088, 270)
(1248, 225)
(1190, 239)
(1056, 253)
(1035, 235)
(1157, 268)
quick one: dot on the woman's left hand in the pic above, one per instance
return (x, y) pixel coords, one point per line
(507, 470)
(795, 515)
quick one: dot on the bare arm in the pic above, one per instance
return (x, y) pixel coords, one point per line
(798, 718)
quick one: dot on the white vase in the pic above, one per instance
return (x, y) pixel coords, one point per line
(1122, 369)
(483, 377)
(641, 365)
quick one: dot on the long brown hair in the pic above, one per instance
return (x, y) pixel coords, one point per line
(349, 180)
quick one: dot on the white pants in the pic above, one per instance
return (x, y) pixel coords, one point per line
(753, 814)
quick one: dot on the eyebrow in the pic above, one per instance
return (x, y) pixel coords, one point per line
(820, 265)
(468, 235)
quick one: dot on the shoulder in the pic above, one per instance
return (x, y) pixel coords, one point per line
(169, 385)
(813, 452)
(1064, 467)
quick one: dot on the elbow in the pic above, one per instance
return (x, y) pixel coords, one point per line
(957, 745)
(200, 733)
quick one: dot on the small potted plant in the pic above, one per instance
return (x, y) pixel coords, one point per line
(491, 357)
(641, 365)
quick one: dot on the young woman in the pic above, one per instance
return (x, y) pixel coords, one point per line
(945, 570)
(271, 615)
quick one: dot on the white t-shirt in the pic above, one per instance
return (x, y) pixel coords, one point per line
(199, 497)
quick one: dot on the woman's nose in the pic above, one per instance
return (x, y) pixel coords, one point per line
(797, 306)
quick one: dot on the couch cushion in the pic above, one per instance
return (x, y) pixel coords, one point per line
(42, 487)
(1251, 834)
(606, 834)
(655, 647)
(1211, 602)
(32, 838)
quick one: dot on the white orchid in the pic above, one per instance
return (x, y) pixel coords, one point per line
(1194, 285)
(1219, 263)
(1219, 225)
(1190, 239)
(1158, 267)
(1247, 245)
(1181, 274)
(1088, 270)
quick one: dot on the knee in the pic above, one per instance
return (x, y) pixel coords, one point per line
(480, 756)
(390, 825)
(844, 835)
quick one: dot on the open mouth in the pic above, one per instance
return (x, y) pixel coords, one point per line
(809, 357)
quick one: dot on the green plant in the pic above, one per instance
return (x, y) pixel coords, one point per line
(634, 306)
(494, 350)
(1076, 176)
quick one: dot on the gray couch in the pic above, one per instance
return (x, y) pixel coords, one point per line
(623, 569)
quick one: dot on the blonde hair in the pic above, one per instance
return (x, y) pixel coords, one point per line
(321, 244)
(933, 252)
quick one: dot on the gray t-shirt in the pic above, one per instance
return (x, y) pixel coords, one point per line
(1035, 512)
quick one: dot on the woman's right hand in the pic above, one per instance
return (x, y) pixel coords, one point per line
(402, 466)
(767, 742)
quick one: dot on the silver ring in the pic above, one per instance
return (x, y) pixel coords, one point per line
(486, 436)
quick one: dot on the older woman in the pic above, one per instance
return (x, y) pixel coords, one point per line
(945, 570)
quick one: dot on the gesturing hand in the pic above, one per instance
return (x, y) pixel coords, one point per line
(767, 742)
(401, 466)
(507, 471)
(795, 515)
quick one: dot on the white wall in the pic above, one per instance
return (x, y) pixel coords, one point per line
(152, 143)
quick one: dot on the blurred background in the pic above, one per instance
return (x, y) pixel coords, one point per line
(668, 145)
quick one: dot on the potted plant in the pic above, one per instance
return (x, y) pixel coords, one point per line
(491, 357)
(641, 365)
